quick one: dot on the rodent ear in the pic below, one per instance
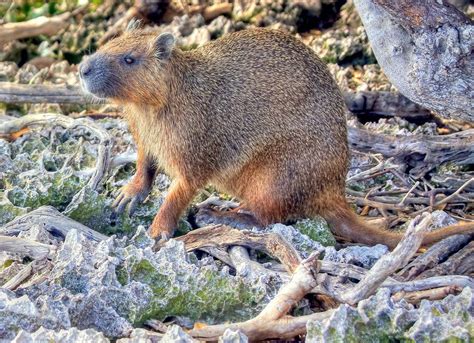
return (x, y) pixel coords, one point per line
(164, 44)
(133, 24)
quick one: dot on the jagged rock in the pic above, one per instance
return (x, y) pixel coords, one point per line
(64, 336)
(231, 336)
(441, 219)
(21, 313)
(357, 255)
(380, 319)
(116, 284)
(300, 241)
(8, 71)
(176, 334)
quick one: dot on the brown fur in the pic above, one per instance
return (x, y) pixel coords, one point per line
(256, 113)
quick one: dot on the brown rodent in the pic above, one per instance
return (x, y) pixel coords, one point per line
(256, 113)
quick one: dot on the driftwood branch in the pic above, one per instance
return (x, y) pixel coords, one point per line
(420, 152)
(436, 254)
(429, 294)
(25, 247)
(52, 221)
(39, 26)
(273, 321)
(14, 93)
(218, 236)
(391, 262)
(376, 103)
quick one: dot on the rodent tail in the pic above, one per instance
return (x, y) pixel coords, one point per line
(345, 223)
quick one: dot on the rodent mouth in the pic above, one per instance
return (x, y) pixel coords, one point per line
(95, 94)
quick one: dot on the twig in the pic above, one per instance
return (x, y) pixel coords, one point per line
(382, 166)
(408, 193)
(460, 189)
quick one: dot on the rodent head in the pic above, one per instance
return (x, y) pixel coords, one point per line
(130, 68)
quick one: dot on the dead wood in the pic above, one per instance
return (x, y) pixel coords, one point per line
(39, 26)
(420, 153)
(429, 283)
(19, 278)
(460, 263)
(15, 93)
(51, 220)
(435, 255)
(218, 236)
(429, 294)
(389, 263)
(273, 321)
(386, 104)
(25, 247)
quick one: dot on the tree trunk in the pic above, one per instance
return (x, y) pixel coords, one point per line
(425, 49)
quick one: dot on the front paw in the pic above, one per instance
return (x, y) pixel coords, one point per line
(129, 197)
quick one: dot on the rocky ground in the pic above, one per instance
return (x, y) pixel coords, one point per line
(70, 285)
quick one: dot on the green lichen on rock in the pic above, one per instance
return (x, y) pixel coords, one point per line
(379, 319)
(317, 229)
(94, 209)
(8, 211)
(184, 288)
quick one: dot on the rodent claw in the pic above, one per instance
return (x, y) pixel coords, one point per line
(132, 206)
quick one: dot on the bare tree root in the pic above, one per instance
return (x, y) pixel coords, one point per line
(273, 321)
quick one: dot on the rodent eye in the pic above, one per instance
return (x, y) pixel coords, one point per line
(129, 60)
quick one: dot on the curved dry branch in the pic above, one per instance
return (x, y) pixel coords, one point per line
(391, 262)
(220, 235)
(273, 321)
(52, 221)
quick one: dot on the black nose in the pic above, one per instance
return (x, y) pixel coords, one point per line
(85, 68)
